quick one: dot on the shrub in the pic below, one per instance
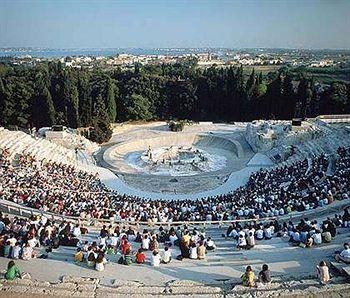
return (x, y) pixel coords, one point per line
(176, 125)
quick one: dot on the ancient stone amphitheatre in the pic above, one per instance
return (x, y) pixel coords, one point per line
(197, 160)
(148, 162)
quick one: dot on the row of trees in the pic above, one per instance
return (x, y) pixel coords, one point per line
(49, 93)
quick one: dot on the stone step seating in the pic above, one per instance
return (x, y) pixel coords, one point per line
(71, 286)
(19, 142)
(92, 287)
(341, 268)
(273, 153)
(7, 138)
(225, 253)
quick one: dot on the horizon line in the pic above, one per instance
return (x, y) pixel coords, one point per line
(169, 48)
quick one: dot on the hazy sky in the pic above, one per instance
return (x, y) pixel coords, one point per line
(175, 23)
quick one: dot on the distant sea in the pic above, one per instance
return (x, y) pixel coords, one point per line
(56, 53)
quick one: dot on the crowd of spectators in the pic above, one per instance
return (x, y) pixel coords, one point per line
(62, 189)
(306, 233)
(23, 238)
(129, 246)
(20, 236)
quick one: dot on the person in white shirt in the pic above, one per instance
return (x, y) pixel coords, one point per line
(193, 251)
(100, 262)
(102, 241)
(76, 231)
(317, 236)
(241, 242)
(33, 242)
(268, 233)
(113, 240)
(295, 237)
(12, 240)
(145, 243)
(16, 251)
(260, 234)
(233, 234)
(344, 256)
(241, 233)
(155, 261)
(166, 255)
(210, 245)
(173, 238)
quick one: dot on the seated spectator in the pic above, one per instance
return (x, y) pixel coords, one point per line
(91, 259)
(145, 242)
(268, 233)
(131, 234)
(153, 244)
(12, 271)
(186, 238)
(155, 261)
(210, 245)
(127, 258)
(16, 251)
(7, 249)
(241, 242)
(326, 237)
(76, 231)
(265, 275)
(102, 241)
(125, 246)
(201, 251)
(79, 256)
(140, 256)
(250, 240)
(193, 251)
(248, 278)
(346, 218)
(100, 262)
(28, 252)
(260, 233)
(174, 240)
(104, 231)
(110, 250)
(113, 240)
(85, 246)
(295, 237)
(344, 255)
(317, 237)
(166, 258)
(322, 273)
(185, 250)
(309, 242)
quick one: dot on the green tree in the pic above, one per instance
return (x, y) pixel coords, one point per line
(250, 84)
(288, 97)
(273, 98)
(304, 96)
(7, 105)
(43, 111)
(101, 131)
(137, 107)
(72, 106)
(110, 100)
(85, 100)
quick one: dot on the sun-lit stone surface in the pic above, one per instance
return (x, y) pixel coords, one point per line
(175, 161)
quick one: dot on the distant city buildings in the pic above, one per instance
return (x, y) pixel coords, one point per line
(205, 58)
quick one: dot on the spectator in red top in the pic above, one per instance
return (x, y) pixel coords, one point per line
(140, 256)
(125, 246)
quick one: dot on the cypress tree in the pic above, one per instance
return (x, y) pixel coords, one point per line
(110, 100)
(288, 95)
